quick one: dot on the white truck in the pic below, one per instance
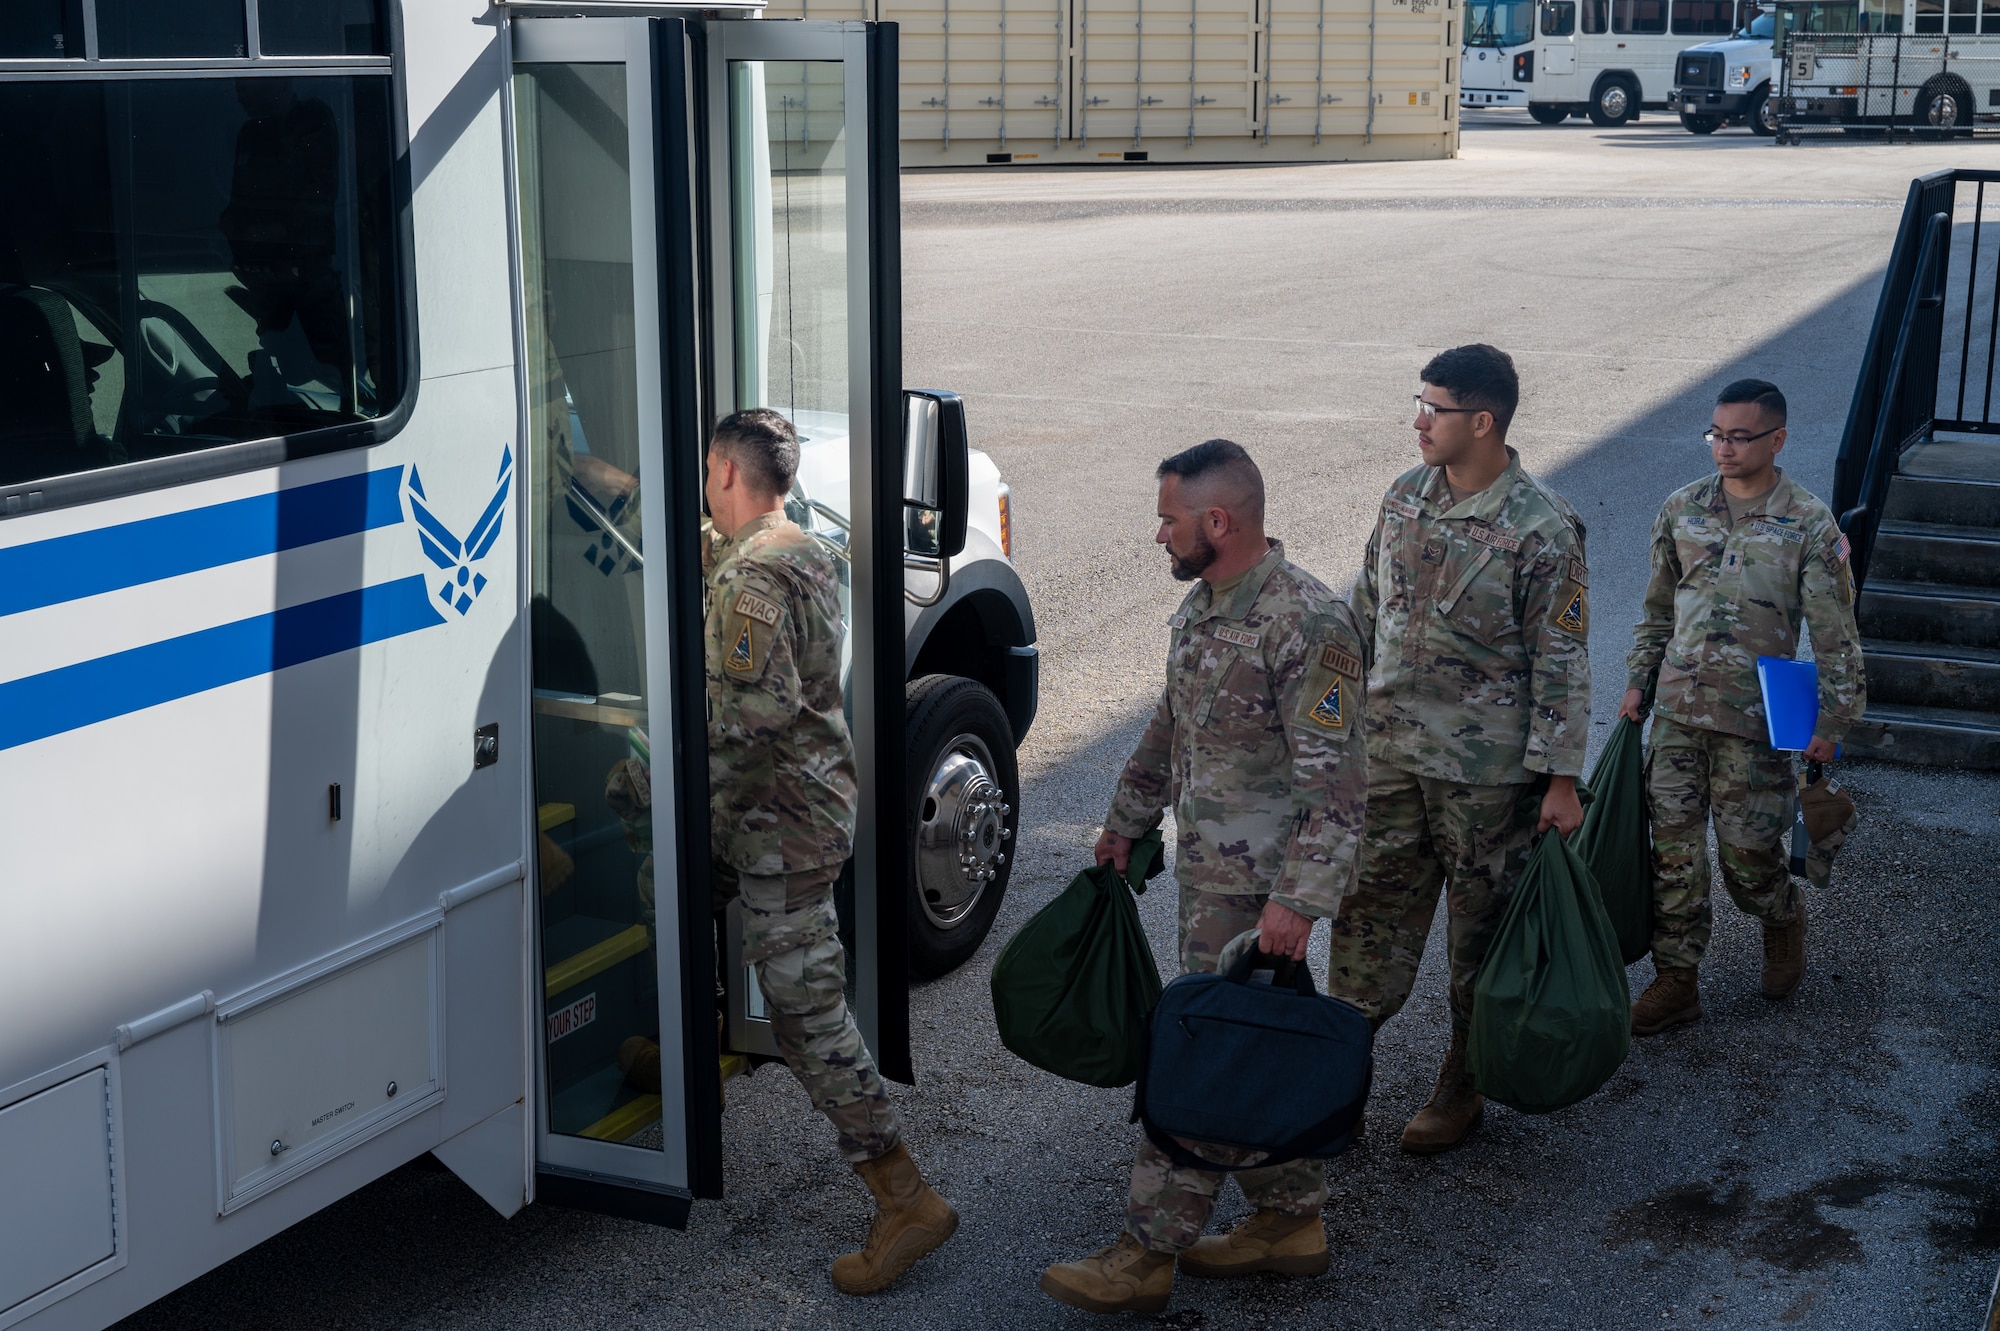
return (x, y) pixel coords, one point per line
(1729, 82)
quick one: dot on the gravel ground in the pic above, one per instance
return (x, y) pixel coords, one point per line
(1826, 1162)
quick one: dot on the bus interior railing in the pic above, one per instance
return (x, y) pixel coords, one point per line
(1929, 364)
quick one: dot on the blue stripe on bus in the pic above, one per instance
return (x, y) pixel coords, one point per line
(74, 696)
(67, 568)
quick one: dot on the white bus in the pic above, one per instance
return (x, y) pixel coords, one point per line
(1605, 59)
(1867, 67)
(356, 362)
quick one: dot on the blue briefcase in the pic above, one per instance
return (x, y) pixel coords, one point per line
(1254, 1058)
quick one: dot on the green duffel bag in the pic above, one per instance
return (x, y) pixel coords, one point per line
(1616, 839)
(1551, 1017)
(1072, 989)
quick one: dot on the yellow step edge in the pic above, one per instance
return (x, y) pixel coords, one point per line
(734, 1065)
(572, 971)
(551, 816)
(624, 1121)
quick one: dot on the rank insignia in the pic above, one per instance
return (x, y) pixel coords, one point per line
(740, 657)
(1327, 711)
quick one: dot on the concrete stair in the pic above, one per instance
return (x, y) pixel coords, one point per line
(1930, 613)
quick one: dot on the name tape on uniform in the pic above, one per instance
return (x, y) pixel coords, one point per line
(1402, 509)
(752, 606)
(1486, 535)
(1791, 535)
(1239, 637)
(1340, 663)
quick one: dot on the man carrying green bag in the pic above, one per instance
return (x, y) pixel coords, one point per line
(1549, 1023)
(1615, 841)
(1072, 989)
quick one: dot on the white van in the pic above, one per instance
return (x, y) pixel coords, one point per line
(1729, 82)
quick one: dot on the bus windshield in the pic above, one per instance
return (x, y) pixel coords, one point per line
(1499, 22)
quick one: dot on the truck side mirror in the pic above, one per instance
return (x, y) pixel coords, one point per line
(937, 458)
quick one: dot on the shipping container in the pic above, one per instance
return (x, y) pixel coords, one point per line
(1006, 82)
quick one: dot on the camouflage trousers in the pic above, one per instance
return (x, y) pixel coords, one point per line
(790, 935)
(1748, 788)
(1170, 1204)
(1420, 834)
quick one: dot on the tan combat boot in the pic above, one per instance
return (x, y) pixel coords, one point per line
(1672, 999)
(1785, 955)
(1453, 1110)
(1126, 1277)
(1292, 1245)
(910, 1221)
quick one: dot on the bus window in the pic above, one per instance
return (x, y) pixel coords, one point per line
(208, 261)
(1703, 18)
(1499, 23)
(1594, 16)
(39, 30)
(1929, 16)
(320, 27)
(1558, 18)
(189, 29)
(1638, 17)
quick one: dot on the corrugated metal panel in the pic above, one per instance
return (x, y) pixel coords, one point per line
(1168, 80)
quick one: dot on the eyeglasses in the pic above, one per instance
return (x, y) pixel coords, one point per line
(1713, 436)
(1428, 411)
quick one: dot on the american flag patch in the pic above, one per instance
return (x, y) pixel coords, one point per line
(1842, 549)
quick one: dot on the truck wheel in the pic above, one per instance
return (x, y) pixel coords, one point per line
(1944, 108)
(1695, 124)
(965, 801)
(1545, 114)
(1614, 103)
(1761, 118)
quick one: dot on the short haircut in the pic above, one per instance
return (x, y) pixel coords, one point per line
(1220, 473)
(764, 444)
(1760, 391)
(1481, 377)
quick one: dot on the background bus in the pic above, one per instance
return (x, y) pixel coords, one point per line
(1605, 59)
(1932, 67)
(356, 364)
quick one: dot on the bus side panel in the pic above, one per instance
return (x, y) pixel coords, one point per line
(173, 825)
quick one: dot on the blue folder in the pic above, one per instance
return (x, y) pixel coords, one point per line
(1791, 700)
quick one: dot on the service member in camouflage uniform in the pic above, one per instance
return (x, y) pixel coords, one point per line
(1740, 558)
(1474, 598)
(782, 796)
(1256, 745)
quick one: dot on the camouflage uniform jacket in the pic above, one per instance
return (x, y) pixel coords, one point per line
(1478, 615)
(1721, 596)
(1256, 742)
(780, 762)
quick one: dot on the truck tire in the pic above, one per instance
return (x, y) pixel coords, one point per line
(1944, 108)
(1763, 123)
(1545, 114)
(1613, 103)
(1698, 124)
(964, 809)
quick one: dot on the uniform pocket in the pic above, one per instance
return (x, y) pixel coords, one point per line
(1479, 603)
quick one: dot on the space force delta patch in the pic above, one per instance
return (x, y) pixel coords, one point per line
(742, 657)
(1330, 711)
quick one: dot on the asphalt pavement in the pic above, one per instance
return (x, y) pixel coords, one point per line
(1828, 1162)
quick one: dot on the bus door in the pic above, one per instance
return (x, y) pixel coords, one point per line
(696, 213)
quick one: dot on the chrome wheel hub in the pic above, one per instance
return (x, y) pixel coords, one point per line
(961, 832)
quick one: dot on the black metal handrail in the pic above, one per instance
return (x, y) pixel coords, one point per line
(1896, 394)
(1926, 292)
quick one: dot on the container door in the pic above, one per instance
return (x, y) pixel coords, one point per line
(612, 436)
(803, 217)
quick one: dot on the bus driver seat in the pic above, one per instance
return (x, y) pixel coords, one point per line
(45, 422)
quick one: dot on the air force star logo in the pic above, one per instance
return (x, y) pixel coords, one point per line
(461, 584)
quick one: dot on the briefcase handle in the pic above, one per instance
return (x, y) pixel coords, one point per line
(1285, 972)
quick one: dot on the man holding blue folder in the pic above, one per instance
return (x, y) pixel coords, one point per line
(1741, 559)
